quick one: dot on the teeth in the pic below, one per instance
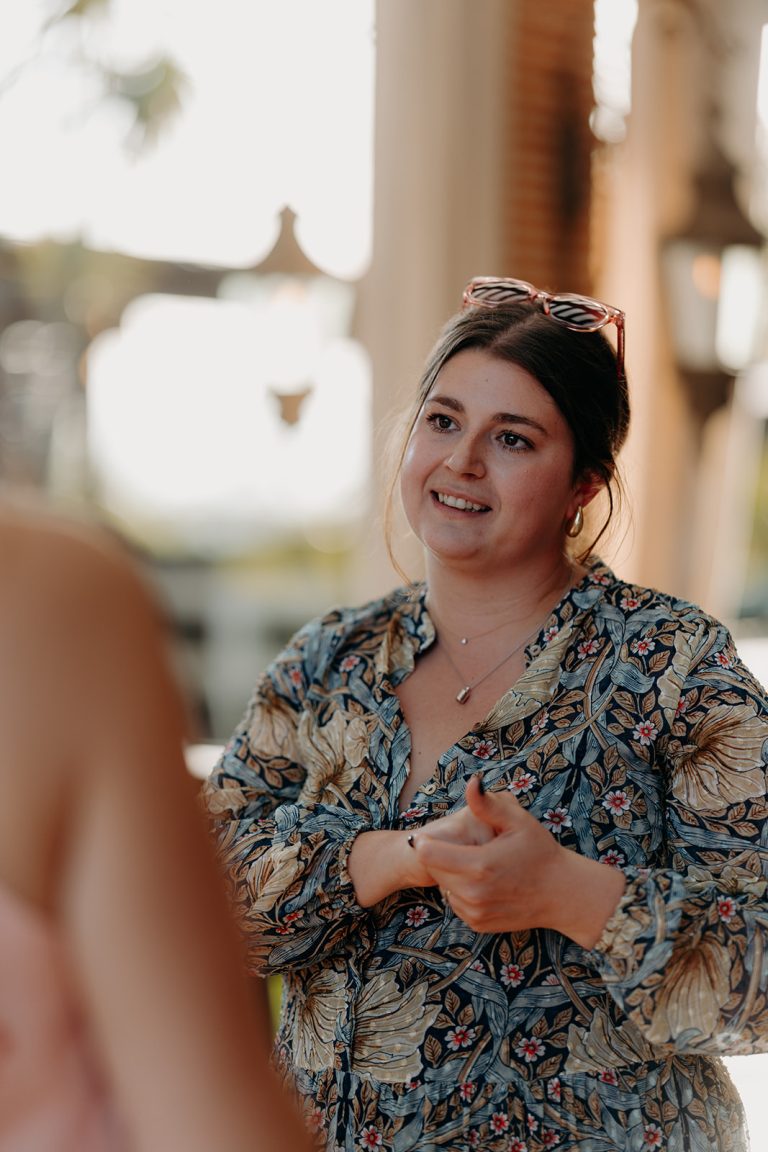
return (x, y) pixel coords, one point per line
(458, 502)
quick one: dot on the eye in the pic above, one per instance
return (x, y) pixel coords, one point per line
(513, 441)
(440, 421)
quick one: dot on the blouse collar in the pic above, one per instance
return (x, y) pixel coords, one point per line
(411, 630)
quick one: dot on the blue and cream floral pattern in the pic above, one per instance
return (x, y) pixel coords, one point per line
(638, 738)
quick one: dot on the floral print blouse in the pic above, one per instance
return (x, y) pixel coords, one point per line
(638, 738)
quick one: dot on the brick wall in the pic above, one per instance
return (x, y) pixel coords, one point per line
(549, 144)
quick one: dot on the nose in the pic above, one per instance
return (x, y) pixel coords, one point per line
(466, 458)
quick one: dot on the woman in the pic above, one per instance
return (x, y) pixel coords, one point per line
(502, 831)
(125, 1021)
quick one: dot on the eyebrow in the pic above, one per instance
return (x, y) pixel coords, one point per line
(497, 418)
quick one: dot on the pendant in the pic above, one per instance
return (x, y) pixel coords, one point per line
(464, 640)
(464, 695)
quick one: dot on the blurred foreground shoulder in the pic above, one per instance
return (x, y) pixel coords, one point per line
(79, 628)
(59, 566)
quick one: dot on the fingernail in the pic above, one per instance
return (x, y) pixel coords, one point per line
(411, 841)
(480, 785)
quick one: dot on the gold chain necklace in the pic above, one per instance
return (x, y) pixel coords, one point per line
(466, 691)
(466, 640)
(464, 694)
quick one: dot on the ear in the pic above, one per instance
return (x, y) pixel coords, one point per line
(584, 491)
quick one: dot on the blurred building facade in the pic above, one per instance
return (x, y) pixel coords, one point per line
(695, 81)
(484, 163)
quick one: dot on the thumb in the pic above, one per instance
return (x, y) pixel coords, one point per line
(493, 808)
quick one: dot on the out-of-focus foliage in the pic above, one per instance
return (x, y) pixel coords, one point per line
(151, 90)
(153, 93)
(79, 8)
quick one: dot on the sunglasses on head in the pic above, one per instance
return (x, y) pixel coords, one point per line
(579, 313)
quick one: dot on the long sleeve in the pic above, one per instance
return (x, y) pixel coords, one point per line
(684, 955)
(284, 826)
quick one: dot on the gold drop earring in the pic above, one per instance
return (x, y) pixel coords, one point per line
(576, 524)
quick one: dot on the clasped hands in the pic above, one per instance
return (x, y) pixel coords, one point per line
(502, 871)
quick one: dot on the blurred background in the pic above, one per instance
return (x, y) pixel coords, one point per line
(229, 234)
(231, 231)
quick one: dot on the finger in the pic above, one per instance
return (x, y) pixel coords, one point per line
(496, 809)
(443, 859)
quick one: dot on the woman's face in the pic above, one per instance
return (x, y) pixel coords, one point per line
(487, 476)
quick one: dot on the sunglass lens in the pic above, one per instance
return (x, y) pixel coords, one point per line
(498, 292)
(577, 312)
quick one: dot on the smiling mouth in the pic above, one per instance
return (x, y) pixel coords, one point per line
(460, 503)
